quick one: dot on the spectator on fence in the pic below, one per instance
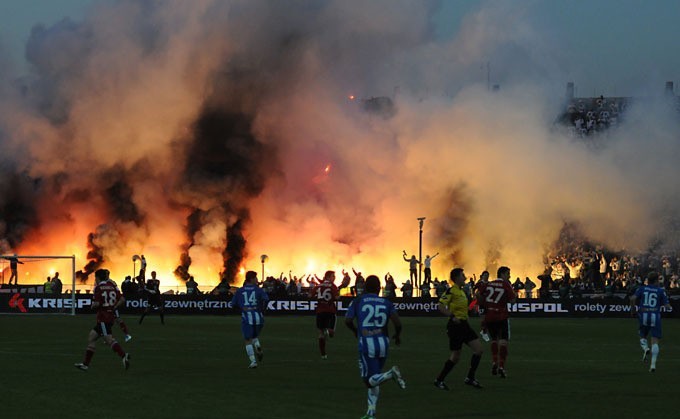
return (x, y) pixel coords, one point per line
(425, 289)
(48, 286)
(56, 284)
(565, 288)
(192, 286)
(529, 286)
(407, 289)
(517, 286)
(574, 268)
(390, 289)
(223, 289)
(546, 283)
(292, 289)
(128, 288)
(440, 288)
(413, 263)
(428, 265)
(346, 280)
(14, 268)
(359, 283)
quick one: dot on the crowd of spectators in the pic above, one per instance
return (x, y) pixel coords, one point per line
(587, 116)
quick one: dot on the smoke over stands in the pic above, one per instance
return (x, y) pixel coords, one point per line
(203, 134)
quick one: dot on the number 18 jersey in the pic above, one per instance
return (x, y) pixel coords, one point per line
(372, 313)
(106, 293)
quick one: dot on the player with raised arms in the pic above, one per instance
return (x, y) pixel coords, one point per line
(107, 298)
(372, 314)
(325, 294)
(646, 303)
(252, 301)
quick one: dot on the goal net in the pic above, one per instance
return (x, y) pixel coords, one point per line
(29, 274)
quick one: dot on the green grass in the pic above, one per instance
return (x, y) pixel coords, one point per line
(196, 367)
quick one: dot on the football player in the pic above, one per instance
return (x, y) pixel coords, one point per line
(107, 298)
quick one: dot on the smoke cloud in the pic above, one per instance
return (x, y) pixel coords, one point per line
(204, 134)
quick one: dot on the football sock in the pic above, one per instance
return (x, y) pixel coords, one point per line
(494, 351)
(448, 366)
(373, 394)
(655, 354)
(643, 344)
(322, 346)
(123, 327)
(256, 343)
(378, 379)
(474, 363)
(251, 352)
(503, 354)
(88, 356)
(117, 349)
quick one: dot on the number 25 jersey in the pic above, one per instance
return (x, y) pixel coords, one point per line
(372, 313)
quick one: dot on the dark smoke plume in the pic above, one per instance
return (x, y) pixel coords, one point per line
(235, 251)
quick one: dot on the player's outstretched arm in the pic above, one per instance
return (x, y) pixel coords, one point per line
(397, 328)
(349, 322)
(633, 305)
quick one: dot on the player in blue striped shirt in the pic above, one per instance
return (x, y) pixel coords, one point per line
(372, 313)
(647, 302)
(252, 301)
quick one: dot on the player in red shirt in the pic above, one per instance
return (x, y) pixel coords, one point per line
(495, 296)
(325, 294)
(483, 281)
(107, 298)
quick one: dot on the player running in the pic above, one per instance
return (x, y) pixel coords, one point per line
(495, 296)
(647, 302)
(119, 320)
(107, 299)
(154, 300)
(325, 294)
(372, 313)
(252, 301)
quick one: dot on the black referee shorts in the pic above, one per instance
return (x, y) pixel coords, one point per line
(459, 333)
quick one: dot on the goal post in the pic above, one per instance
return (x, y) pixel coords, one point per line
(34, 269)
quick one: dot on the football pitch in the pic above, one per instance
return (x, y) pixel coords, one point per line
(196, 367)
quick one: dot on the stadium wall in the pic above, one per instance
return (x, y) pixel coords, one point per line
(28, 303)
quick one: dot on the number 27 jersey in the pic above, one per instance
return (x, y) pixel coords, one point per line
(495, 296)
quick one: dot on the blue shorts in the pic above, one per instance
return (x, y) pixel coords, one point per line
(368, 366)
(650, 324)
(251, 331)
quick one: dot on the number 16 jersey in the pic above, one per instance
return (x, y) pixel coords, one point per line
(325, 295)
